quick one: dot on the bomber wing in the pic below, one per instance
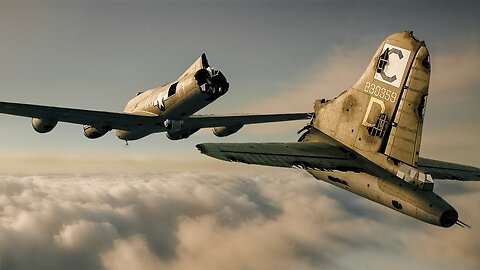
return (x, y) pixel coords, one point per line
(217, 120)
(113, 120)
(307, 155)
(125, 121)
(441, 170)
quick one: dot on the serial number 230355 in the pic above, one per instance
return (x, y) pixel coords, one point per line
(380, 92)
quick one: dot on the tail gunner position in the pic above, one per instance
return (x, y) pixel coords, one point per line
(367, 140)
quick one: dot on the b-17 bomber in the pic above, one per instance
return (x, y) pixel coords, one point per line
(169, 108)
(367, 140)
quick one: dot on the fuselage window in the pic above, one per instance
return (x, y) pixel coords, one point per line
(172, 90)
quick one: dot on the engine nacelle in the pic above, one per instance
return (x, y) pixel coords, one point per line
(226, 131)
(175, 130)
(43, 125)
(181, 134)
(94, 132)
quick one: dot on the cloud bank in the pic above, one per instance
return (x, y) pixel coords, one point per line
(180, 221)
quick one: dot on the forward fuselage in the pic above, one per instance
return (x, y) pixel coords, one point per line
(199, 86)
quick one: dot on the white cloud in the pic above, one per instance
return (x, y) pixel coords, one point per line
(131, 253)
(213, 221)
(83, 234)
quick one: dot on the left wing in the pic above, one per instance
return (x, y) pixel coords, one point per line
(306, 155)
(132, 122)
(112, 120)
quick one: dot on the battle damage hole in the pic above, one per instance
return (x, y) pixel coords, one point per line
(397, 205)
(338, 180)
(172, 90)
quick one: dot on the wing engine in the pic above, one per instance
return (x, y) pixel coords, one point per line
(43, 125)
(92, 132)
(176, 130)
(226, 130)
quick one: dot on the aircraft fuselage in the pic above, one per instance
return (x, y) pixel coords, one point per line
(199, 86)
(380, 181)
(394, 193)
(367, 140)
(393, 89)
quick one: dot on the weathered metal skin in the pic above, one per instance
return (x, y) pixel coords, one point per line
(225, 131)
(395, 194)
(367, 140)
(350, 118)
(94, 132)
(197, 87)
(43, 125)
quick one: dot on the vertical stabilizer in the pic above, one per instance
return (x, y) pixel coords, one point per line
(383, 112)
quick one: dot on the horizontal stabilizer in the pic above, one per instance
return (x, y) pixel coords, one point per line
(441, 170)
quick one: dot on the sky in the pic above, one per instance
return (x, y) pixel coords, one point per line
(277, 56)
(70, 202)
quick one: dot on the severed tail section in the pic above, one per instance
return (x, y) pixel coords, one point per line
(367, 140)
(383, 112)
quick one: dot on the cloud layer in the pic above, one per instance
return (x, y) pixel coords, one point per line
(271, 220)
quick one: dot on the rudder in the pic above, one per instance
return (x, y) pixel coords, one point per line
(404, 138)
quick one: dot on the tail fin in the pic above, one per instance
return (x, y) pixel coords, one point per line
(383, 112)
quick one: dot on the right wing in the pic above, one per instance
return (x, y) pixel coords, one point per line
(441, 170)
(306, 155)
(217, 120)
